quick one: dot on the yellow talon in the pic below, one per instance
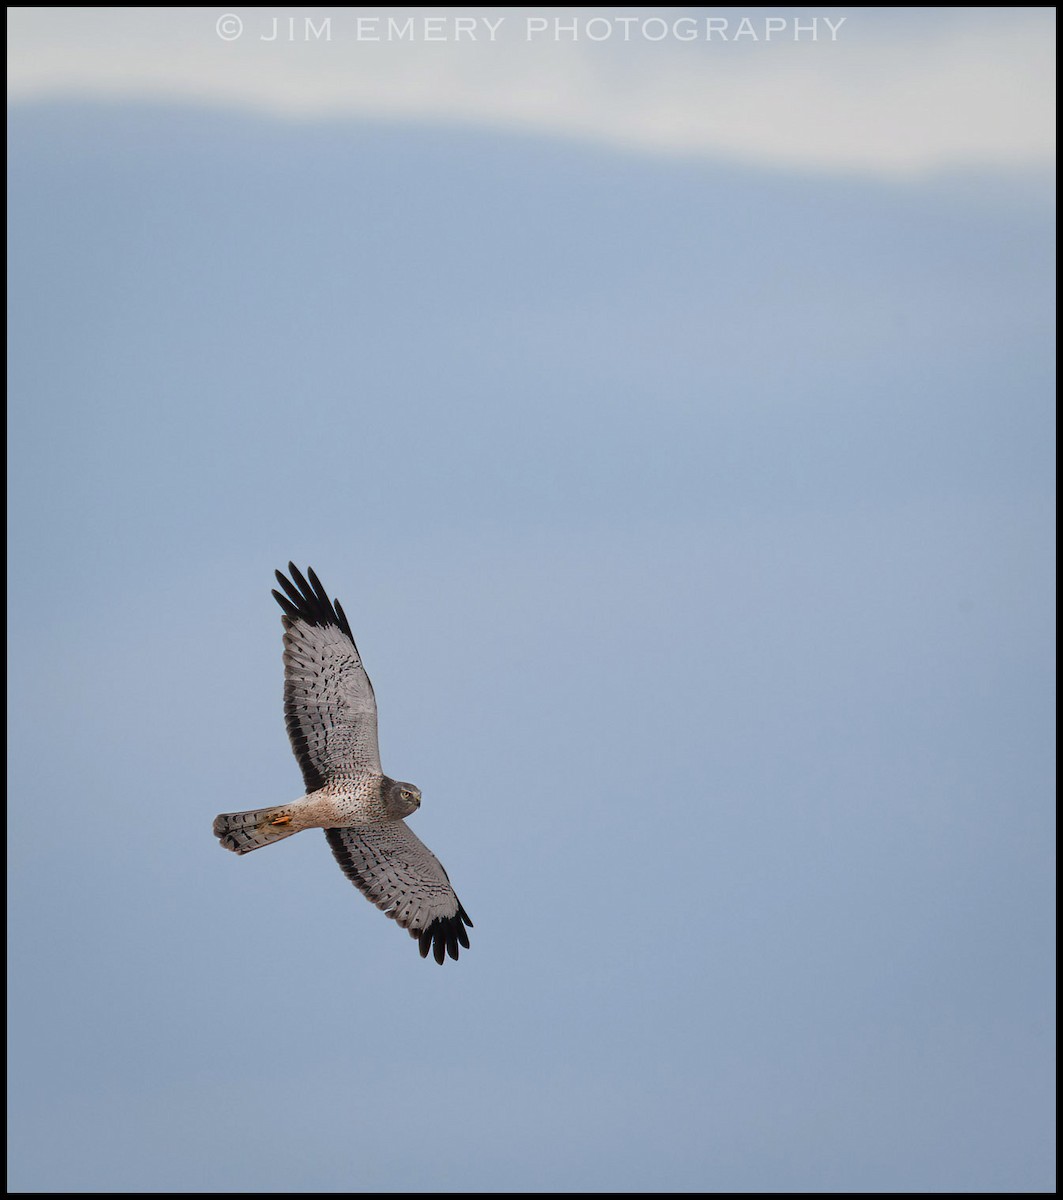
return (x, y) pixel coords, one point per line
(280, 820)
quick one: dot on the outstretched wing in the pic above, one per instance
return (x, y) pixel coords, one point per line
(329, 706)
(391, 866)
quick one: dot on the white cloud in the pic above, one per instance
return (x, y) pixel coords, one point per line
(893, 91)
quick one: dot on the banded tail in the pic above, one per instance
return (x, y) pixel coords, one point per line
(243, 832)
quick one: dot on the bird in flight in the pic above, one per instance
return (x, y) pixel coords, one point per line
(330, 711)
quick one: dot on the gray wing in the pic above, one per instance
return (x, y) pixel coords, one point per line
(391, 866)
(329, 706)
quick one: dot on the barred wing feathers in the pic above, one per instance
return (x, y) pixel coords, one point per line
(329, 706)
(391, 866)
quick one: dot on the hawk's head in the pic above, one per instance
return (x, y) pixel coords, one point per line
(400, 799)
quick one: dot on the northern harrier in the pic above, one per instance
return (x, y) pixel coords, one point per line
(330, 711)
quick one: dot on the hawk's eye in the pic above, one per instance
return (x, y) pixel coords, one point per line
(406, 795)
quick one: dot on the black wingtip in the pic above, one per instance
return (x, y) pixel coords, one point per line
(307, 600)
(444, 936)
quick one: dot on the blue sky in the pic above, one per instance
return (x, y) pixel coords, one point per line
(692, 502)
